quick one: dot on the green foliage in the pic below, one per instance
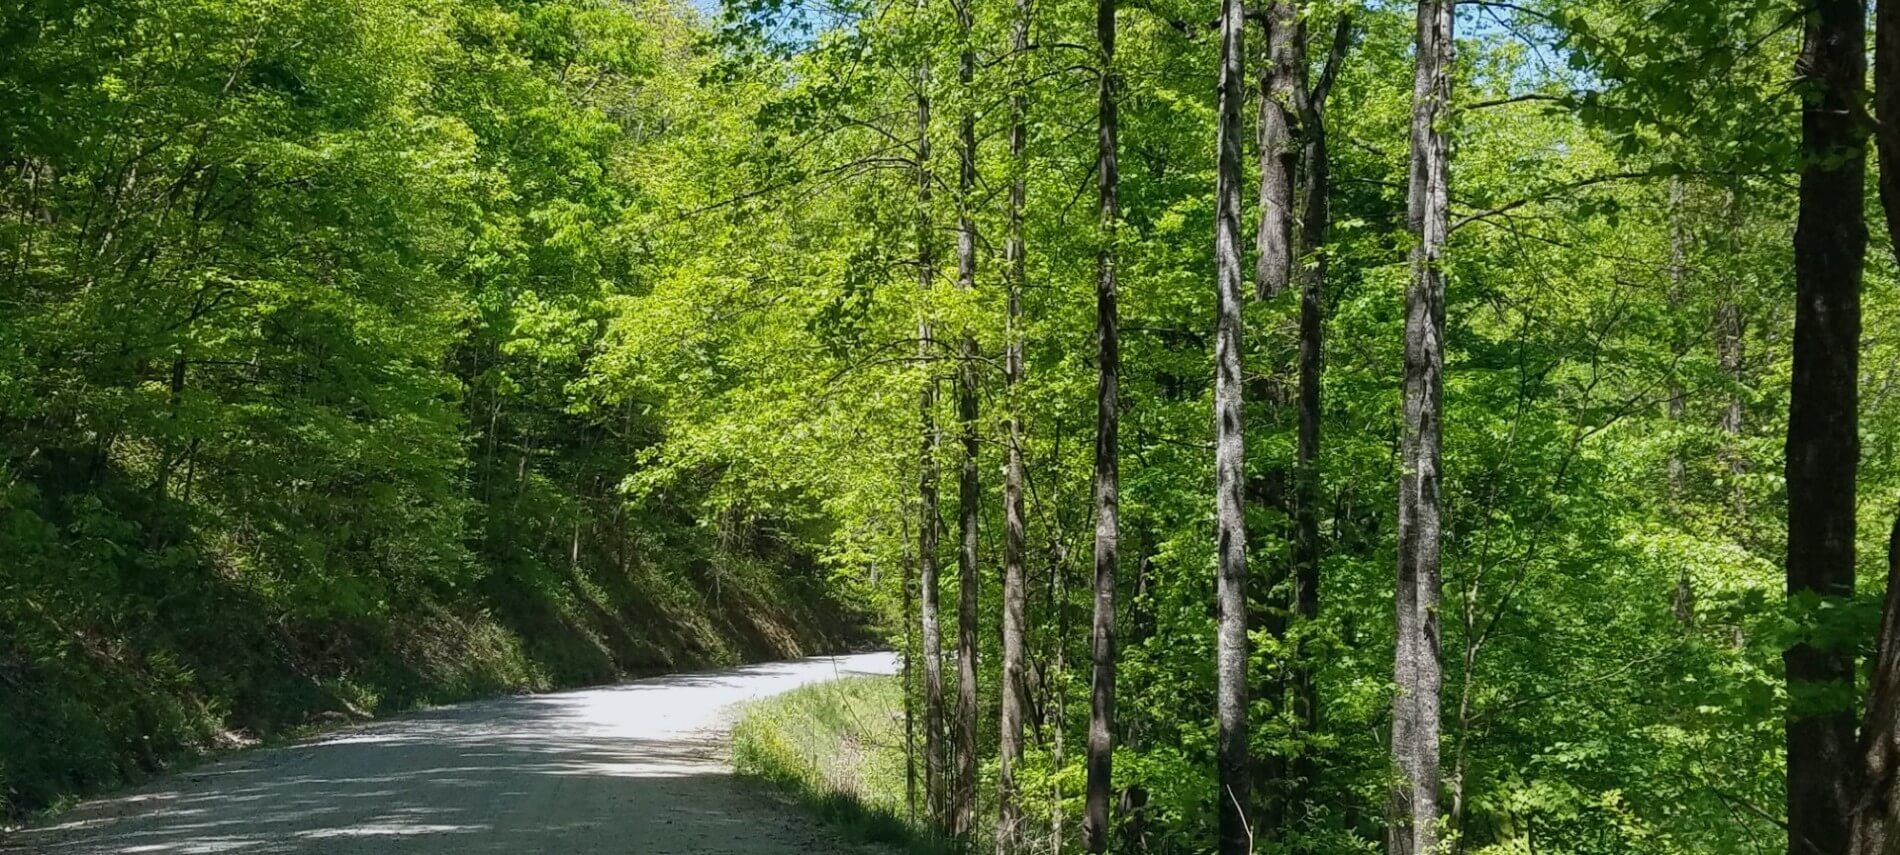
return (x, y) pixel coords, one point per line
(295, 295)
(358, 354)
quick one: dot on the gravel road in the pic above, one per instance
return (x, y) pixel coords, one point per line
(633, 768)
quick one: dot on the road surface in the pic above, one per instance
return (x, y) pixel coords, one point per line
(632, 768)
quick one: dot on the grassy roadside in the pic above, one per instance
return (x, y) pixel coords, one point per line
(838, 747)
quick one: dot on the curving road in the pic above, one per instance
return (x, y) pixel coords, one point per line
(632, 768)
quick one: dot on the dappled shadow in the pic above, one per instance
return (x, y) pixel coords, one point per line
(628, 768)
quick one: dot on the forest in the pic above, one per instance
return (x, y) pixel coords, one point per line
(1259, 426)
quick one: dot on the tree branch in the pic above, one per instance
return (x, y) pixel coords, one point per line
(1552, 191)
(1516, 99)
(1335, 57)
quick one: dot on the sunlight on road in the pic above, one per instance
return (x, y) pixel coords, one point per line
(635, 768)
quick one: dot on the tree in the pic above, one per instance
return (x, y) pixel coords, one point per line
(1823, 450)
(936, 778)
(1009, 819)
(1231, 751)
(1874, 815)
(1315, 227)
(1413, 819)
(968, 490)
(1101, 745)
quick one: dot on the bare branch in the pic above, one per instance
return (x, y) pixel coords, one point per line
(1517, 99)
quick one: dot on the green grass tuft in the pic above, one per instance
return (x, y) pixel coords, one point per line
(838, 748)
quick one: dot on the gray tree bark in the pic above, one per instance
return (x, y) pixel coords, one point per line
(1101, 745)
(1236, 838)
(1282, 80)
(928, 569)
(1417, 667)
(1678, 279)
(1009, 818)
(963, 817)
(1730, 355)
(1682, 602)
(1823, 451)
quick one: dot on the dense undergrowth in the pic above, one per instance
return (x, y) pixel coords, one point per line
(838, 747)
(121, 661)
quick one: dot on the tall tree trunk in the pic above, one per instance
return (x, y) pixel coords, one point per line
(1282, 92)
(1683, 600)
(1417, 668)
(1229, 450)
(930, 622)
(968, 495)
(1678, 396)
(1823, 452)
(1876, 814)
(1101, 745)
(1009, 816)
(1730, 355)
(927, 524)
(1315, 228)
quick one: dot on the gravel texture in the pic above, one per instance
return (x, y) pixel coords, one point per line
(637, 767)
